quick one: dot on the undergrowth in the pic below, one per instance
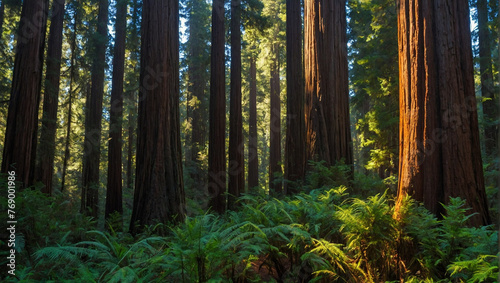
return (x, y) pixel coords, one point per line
(324, 235)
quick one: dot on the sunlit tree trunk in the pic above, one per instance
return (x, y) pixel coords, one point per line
(159, 190)
(295, 127)
(440, 154)
(114, 184)
(327, 121)
(22, 119)
(46, 149)
(217, 113)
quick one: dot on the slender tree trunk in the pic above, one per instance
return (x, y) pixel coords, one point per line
(217, 113)
(486, 72)
(236, 168)
(70, 95)
(114, 184)
(253, 157)
(22, 118)
(440, 154)
(93, 117)
(275, 125)
(326, 78)
(130, 149)
(44, 170)
(295, 128)
(159, 190)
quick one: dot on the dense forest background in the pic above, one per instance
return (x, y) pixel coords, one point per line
(250, 140)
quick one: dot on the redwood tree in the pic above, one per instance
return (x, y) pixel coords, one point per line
(253, 158)
(440, 154)
(93, 116)
(159, 190)
(295, 128)
(236, 168)
(114, 184)
(22, 118)
(45, 166)
(327, 122)
(217, 113)
(490, 107)
(275, 125)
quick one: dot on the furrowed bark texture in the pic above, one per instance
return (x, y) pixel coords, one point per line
(217, 114)
(440, 153)
(236, 167)
(295, 130)
(327, 121)
(159, 191)
(46, 149)
(22, 118)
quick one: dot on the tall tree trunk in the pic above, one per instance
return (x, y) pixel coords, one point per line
(159, 189)
(253, 157)
(114, 184)
(236, 168)
(275, 126)
(326, 78)
(486, 72)
(70, 95)
(217, 113)
(44, 170)
(93, 117)
(22, 119)
(440, 155)
(295, 127)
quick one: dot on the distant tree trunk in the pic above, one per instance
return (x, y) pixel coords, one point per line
(217, 113)
(44, 170)
(295, 128)
(253, 157)
(159, 189)
(486, 72)
(22, 118)
(114, 184)
(133, 40)
(326, 78)
(70, 95)
(440, 155)
(93, 117)
(275, 125)
(236, 168)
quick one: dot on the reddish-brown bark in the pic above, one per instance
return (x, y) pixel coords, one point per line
(440, 154)
(159, 189)
(114, 184)
(328, 134)
(236, 167)
(22, 119)
(45, 165)
(217, 113)
(295, 127)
